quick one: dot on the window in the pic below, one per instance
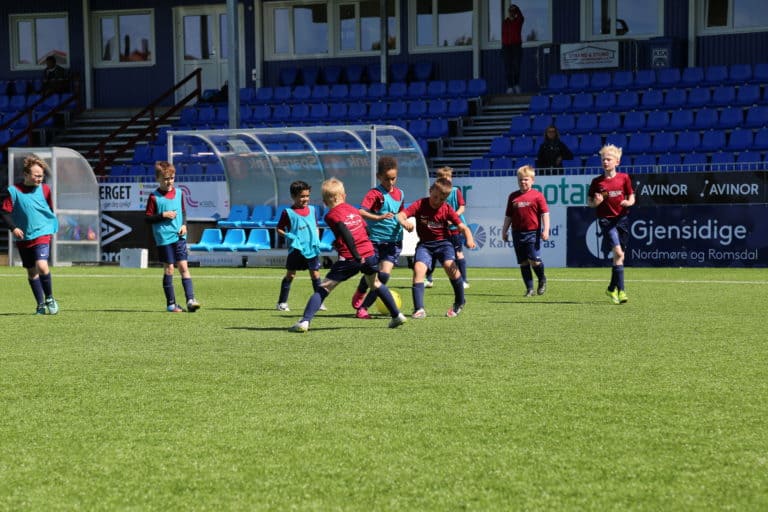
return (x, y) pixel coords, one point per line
(537, 25)
(632, 19)
(297, 29)
(124, 38)
(725, 15)
(35, 37)
(442, 23)
(360, 27)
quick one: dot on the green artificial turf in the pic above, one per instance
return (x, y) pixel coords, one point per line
(558, 402)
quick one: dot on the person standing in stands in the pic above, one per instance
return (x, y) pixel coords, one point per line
(552, 151)
(27, 210)
(512, 47)
(611, 194)
(55, 77)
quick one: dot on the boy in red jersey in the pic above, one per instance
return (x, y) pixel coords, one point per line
(379, 208)
(611, 195)
(356, 254)
(528, 214)
(28, 213)
(433, 220)
(165, 214)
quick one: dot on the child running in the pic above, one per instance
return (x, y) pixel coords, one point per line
(28, 213)
(298, 225)
(356, 254)
(379, 208)
(611, 194)
(165, 212)
(528, 214)
(433, 219)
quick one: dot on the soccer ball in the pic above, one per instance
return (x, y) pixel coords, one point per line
(381, 308)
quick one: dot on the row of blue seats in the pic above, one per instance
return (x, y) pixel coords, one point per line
(321, 113)
(376, 91)
(355, 73)
(722, 95)
(638, 120)
(20, 86)
(262, 215)
(257, 239)
(739, 139)
(664, 77)
(644, 162)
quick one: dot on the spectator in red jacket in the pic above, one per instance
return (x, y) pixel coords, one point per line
(512, 47)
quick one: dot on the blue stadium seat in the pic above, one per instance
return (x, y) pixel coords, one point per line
(560, 103)
(539, 103)
(652, 99)
(288, 75)
(699, 97)
(477, 87)
(358, 92)
(353, 73)
(622, 80)
(261, 114)
(740, 139)
(271, 223)
(437, 108)
(578, 82)
(417, 109)
(712, 140)
(437, 88)
(600, 81)
(748, 95)
(565, 123)
(760, 72)
(572, 141)
(593, 161)
(589, 144)
(716, 74)
(757, 117)
(238, 213)
(557, 83)
(520, 125)
(377, 111)
(681, 119)
(503, 163)
(398, 90)
(419, 128)
(523, 146)
(357, 111)
(695, 161)
(397, 109)
(398, 72)
(675, 98)
(669, 162)
(339, 92)
(331, 74)
(233, 239)
(480, 164)
(142, 154)
(692, 77)
(282, 94)
(281, 114)
(750, 161)
(761, 139)
(263, 95)
(609, 122)
(724, 95)
(627, 100)
(644, 79)
(688, 141)
(318, 113)
(210, 238)
(540, 122)
(585, 123)
(320, 93)
(417, 90)
(706, 118)
(617, 139)
(260, 214)
(634, 121)
(639, 142)
(500, 146)
(723, 161)
(310, 75)
(373, 72)
(457, 87)
(583, 102)
(377, 91)
(458, 107)
(663, 142)
(188, 117)
(657, 120)
(299, 114)
(438, 128)
(668, 77)
(422, 70)
(730, 117)
(301, 93)
(258, 240)
(605, 101)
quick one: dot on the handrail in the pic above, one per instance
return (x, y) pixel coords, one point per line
(106, 159)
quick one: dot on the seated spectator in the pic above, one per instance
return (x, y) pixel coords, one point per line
(55, 77)
(552, 151)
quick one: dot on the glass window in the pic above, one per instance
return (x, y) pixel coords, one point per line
(443, 23)
(282, 27)
(361, 26)
(538, 19)
(33, 38)
(735, 14)
(124, 38)
(198, 37)
(624, 18)
(310, 34)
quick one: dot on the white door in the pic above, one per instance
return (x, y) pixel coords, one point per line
(202, 41)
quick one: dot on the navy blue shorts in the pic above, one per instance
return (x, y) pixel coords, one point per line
(171, 253)
(31, 255)
(458, 240)
(615, 231)
(527, 245)
(297, 261)
(342, 270)
(438, 251)
(388, 251)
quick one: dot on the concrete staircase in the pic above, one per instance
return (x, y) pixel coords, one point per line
(476, 133)
(91, 126)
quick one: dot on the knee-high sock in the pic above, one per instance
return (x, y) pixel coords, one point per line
(418, 296)
(362, 285)
(525, 270)
(315, 285)
(371, 297)
(47, 284)
(189, 291)
(170, 294)
(462, 264)
(313, 304)
(37, 290)
(614, 278)
(458, 291)
(386, 297)
(285, 290)
(539, 271)
(620, 277)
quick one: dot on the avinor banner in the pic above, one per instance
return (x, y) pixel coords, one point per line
(676, 236)
(701, 188)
